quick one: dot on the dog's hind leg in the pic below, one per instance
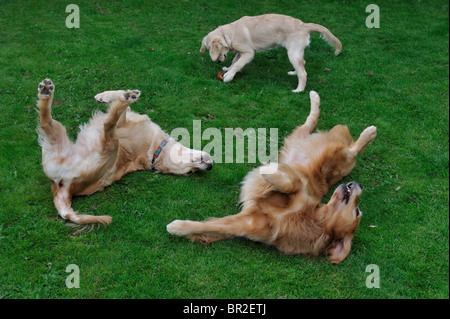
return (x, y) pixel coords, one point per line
(52, 134)
(62, 200)
(311, 121)
(295, 55)
(249, 225)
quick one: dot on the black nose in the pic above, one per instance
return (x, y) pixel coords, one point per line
(352, 184)
(209, 167)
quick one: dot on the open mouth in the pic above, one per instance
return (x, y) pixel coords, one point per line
(348, 190)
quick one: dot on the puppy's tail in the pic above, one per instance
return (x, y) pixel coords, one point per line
(326, 34)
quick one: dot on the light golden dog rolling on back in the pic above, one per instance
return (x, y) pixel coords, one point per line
(281, 203)
(111, 145)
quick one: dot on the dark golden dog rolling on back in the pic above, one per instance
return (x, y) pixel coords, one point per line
(281, 203)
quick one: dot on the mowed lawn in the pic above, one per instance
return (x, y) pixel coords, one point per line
(395, 77)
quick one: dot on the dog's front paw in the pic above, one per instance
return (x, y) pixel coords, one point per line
(46, 89)
(108, 96)
(369, 133)
(130, 96)
(228, 77)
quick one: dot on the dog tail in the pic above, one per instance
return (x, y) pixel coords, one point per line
(326, 34)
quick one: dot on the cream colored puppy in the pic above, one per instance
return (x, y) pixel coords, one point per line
(250, 35)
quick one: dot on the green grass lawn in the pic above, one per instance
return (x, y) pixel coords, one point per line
(395, 77)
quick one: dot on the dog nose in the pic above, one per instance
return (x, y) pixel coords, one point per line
(209, 167)
(353, 184)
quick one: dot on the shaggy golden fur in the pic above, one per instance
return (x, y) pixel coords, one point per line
(281, 203)
(250, 35)
(111, 145)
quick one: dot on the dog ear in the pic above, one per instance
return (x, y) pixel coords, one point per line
(215, 49)
(203, 48)
(341, 250)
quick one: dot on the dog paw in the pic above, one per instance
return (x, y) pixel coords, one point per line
(130, 96)
(315, 99)
(292, 73)
(46, 88)
(369, 133)
(108, 96)
(105, 220)
(314, 96)
(228, 77)
(299, 89)
(225, 69)
(177, 228)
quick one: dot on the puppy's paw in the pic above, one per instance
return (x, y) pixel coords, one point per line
(130, 96)
(299, 89)
(228, 77)
(46, 89)
(292, 73)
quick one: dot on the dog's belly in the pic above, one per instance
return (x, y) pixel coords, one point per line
(306, 151)
(261, 43)
(267, 44)
(297, 158)
(69, 168)
(57, 172)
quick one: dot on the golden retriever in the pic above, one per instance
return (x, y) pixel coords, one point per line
(249, 35)
(281, 205)
(109, 146)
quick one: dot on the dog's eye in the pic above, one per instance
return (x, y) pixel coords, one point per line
(357, 212)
